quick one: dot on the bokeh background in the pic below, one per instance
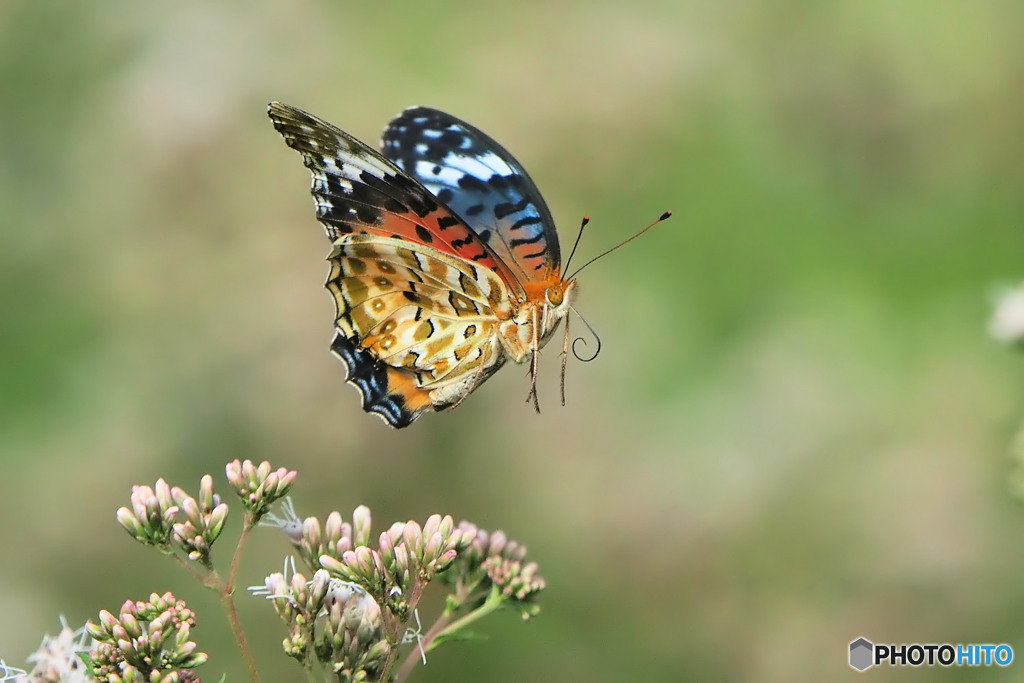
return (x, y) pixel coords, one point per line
(796, 433)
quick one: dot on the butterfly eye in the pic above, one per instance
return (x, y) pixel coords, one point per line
(554, 295)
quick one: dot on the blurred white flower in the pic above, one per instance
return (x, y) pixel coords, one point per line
(57, 657)
(1007, 324)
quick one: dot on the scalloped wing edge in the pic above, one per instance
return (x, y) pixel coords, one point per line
(387, 392)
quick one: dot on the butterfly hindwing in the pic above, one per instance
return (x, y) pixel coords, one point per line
(387, 392)
(481, 182)
(418, 311)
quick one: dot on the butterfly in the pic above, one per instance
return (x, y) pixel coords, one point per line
(445, 261)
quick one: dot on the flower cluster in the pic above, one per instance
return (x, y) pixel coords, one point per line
(357, 608)
(493, 561)
(407, 556)
(146, 641)
(354, 632)
(154, 514)
(337, 622)
(258, 486)
(170, 519)
(350, 610)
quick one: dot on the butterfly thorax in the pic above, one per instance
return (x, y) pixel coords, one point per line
(535, 318)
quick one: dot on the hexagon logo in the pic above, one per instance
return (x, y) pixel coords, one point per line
(862, 654)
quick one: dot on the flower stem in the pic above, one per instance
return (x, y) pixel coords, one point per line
(493, 603)
(410, 662)
(236, 560)
(226, 590)
(236, 629)
(445, 626)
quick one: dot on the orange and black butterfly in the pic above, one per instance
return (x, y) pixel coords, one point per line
(445, 260)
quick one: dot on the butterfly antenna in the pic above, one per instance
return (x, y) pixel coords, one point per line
(586, 219)
(623, 243)
(581, 339)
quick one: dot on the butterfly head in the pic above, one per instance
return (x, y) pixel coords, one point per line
(557, 300)
(558, 294)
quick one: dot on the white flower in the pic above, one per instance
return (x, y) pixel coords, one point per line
(1007, 323)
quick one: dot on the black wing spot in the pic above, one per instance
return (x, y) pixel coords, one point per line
(472, 184)
(526, 240)
(445, 195)
(500, 182)
(524, 222)
(474, 210)
(412, 296)
(445, 222)
(424, 234)
(367, 214)
(451, 139)
(506, 208)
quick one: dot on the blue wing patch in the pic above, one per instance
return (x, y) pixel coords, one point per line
(482, 183)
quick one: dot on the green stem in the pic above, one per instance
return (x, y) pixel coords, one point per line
(445, 626)
(461, 593)
(493, 603)
(196, 574)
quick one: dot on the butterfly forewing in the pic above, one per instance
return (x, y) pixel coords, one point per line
(481, 182)
(356, 190)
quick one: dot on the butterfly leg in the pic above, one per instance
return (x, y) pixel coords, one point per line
(534, 361)
(565, 357)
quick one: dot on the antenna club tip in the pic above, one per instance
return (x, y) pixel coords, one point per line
(665, 216)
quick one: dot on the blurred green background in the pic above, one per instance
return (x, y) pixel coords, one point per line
(796, 433)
